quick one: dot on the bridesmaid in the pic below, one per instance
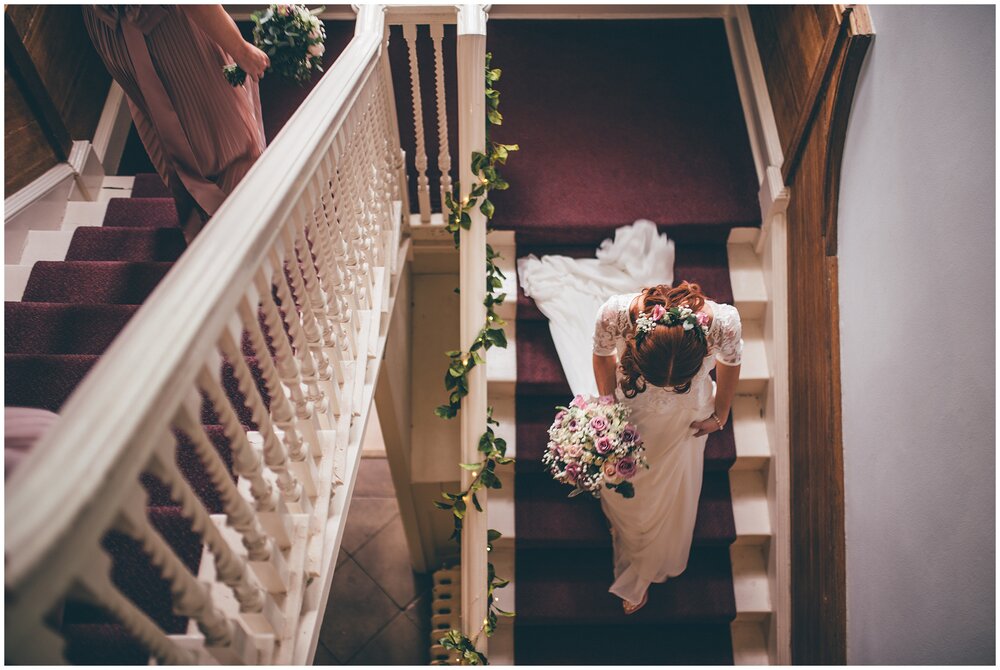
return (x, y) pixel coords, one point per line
(201, 133)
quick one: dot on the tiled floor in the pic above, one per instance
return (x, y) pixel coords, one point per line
(379, 609)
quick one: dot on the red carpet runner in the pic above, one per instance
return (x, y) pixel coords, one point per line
(617, 120)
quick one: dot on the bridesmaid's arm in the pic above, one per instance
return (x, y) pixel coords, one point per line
(605, 368)
(215, 22)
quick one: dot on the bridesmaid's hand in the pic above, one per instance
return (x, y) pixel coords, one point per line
(252, 60)
(705, 427)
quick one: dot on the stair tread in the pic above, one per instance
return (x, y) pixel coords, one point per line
(94, 282)
(43, 380)
(573, 588)
(62, 328)
(141, 213)
(675, 644)
(545, 516)
(100, 243)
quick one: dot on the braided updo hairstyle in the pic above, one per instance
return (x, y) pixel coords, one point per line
(665, 356)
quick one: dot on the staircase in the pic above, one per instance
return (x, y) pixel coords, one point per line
(678, 153)
(189, 504)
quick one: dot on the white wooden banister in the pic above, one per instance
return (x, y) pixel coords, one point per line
(293, 269)
(472, 269)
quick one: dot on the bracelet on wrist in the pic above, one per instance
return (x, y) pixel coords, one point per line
(717, 421)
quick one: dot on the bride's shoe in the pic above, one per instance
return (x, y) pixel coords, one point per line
(629, 608)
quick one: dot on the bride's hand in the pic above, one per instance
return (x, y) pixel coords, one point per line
(705, 426)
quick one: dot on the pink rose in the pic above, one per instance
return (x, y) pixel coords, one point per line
(599, 424)
(606, 400)
(629, 433)
(702, 319)
(573, 450)
(572, 425)
(579, 401)
(561, 415)
(603, 445)
(626, 468)
(316, 49)
(572, 472)
(657, 312)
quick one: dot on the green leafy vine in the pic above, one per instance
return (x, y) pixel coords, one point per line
(461, 363)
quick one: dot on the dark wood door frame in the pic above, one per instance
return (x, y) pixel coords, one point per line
(812, 57)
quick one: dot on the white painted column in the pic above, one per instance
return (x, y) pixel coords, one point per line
(472, 272)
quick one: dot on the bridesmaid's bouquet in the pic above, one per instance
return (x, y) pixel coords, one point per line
(592, 446)
(292, 36)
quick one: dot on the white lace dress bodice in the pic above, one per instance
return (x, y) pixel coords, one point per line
(725, 345)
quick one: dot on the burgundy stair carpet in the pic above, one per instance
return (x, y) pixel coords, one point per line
(617, 120)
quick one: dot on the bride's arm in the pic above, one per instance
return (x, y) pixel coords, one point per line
(604, 372)
(726, 377)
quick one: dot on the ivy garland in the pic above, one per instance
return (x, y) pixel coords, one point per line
(492, 448)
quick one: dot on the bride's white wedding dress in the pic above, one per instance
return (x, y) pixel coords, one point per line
(652, 532)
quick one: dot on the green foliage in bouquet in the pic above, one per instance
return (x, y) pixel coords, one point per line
(492, 448)
(292, 36)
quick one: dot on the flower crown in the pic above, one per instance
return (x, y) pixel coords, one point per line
(681, 315)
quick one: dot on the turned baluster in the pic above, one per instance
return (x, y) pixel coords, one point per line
(339, 221)
(302, 303)
(247, 463)
(286, 361)
(391, 120)
(230, 568)
(315, 237)
(300, 345)
(310, 257)
(358, 233)
(444, 156)
(189, 597)
(319, 239)
(382, 205)
(265, 559)
(281, 408)
(351, 225)
(329, 225)
(293, 491)
(420, 157)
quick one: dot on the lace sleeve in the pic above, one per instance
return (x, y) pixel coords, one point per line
(607, 329)
(726, 340)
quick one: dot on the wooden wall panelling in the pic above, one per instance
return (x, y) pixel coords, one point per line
(18, 63)
(67, 63)
(27, 153)
(812, 56)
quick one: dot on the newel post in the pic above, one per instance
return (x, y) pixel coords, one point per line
(472, 273)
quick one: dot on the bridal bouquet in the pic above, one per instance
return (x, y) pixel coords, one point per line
(592, 445)
(292, 37)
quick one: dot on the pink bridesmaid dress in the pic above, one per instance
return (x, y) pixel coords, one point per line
(201, 133)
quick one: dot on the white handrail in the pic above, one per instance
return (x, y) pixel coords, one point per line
(472, 267)
(73, 485)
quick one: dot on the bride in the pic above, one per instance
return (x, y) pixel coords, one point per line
(656, 360)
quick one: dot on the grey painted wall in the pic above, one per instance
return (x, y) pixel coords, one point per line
(917, 307)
